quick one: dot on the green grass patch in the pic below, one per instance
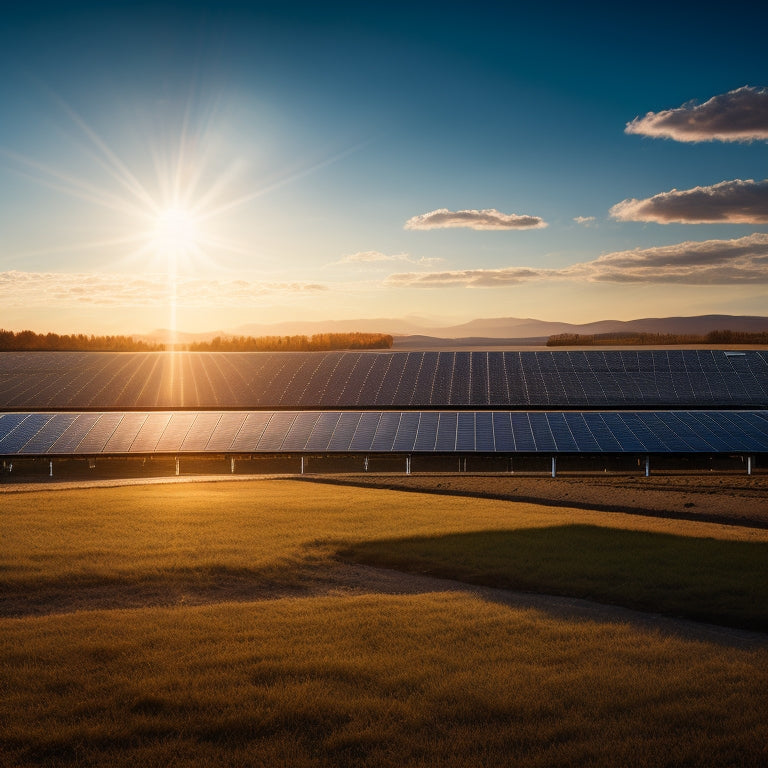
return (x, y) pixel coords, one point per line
(723, 582)
(439, 679)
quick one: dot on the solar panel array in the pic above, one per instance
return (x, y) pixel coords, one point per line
(233, 432)
(383, 380)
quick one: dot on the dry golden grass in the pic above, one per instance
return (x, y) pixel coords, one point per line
(419, 680)
(380, 681)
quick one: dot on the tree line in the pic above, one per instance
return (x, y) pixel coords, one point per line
(318, 342)
(29, 341)
(607, 339)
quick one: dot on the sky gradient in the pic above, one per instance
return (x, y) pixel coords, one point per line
(236, 163)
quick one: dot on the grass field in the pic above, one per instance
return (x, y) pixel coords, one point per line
(269, 671)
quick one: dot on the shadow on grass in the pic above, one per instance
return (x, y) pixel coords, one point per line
(720, 582)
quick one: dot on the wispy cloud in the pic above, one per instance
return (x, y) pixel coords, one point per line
(376, 257)
(52, 289)
(731, 202)
(740, 115)
(585, 220)
(708, 262)
(487, 219)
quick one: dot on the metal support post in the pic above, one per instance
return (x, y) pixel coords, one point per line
(232, 464)
(554, 466)
(407, 465)
(177, 465)
(50, 469)
(365, 463)
(749, 465)
(647, 465)
(302, 465)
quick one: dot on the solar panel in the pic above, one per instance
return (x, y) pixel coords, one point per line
(48, 434)
(299, 432)
(97, 437)
(344, 432)
(426, 437)
(521, 430)
(275, 432)
(502, 432)
(366, 429)
(74, 433)
(251, 430)
(200, 431)
(174, 433)
(225, 431)
(465, 431)
(484, 438)
(446, 432)
(323, 431)
(150, 433)
(407, 430)
(386, 431)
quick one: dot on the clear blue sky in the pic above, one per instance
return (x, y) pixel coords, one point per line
(225, 163)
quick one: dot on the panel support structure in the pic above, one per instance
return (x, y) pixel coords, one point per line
(647, 465)
(50, 469)
(302, 465)
(554, 466)
(407, 465)
(749, 464)
(177, 465)
(232, 464)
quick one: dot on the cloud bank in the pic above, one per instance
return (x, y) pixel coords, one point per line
(730, 202)
(376, 257)
(25, 289)
(740, 115)
(709, 262)
(487, 219)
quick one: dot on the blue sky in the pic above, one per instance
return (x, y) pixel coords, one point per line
(211, 165)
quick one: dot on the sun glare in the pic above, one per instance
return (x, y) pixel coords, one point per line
(177, 230)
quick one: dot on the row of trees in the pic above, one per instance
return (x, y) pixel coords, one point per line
(316, 343)
(606, 339)
(29, 341)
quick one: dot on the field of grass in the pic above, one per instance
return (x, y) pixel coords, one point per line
(342, 679)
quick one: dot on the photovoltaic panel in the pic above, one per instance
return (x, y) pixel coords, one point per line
(74, 433)
(175, 431)
(465, 431)
(48, 434)
(502, 432)
(407, 429)
(344, 432)
(223, 434)
(523, 435)
(98, 436)
(301, 429)
(200, 431)
(276, 431)
(150, 433)
(386, 430)
(366, 429)
(247, 438)
(25, 431)
(446, 432)
(324, 427)
(426, 437)
(484, 438)
(561, 432)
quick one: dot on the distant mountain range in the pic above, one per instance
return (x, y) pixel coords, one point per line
(416, 330)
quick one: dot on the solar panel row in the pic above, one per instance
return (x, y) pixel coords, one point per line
(559, 379)
(51, 434)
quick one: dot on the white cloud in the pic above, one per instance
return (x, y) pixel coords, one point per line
(585, 220)
(709, 262)
(487, 219)
(481, 278)
(51, 289)
(376, 257)
(739, 115)
(730, 202)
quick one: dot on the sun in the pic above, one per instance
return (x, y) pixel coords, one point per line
(177, 232)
